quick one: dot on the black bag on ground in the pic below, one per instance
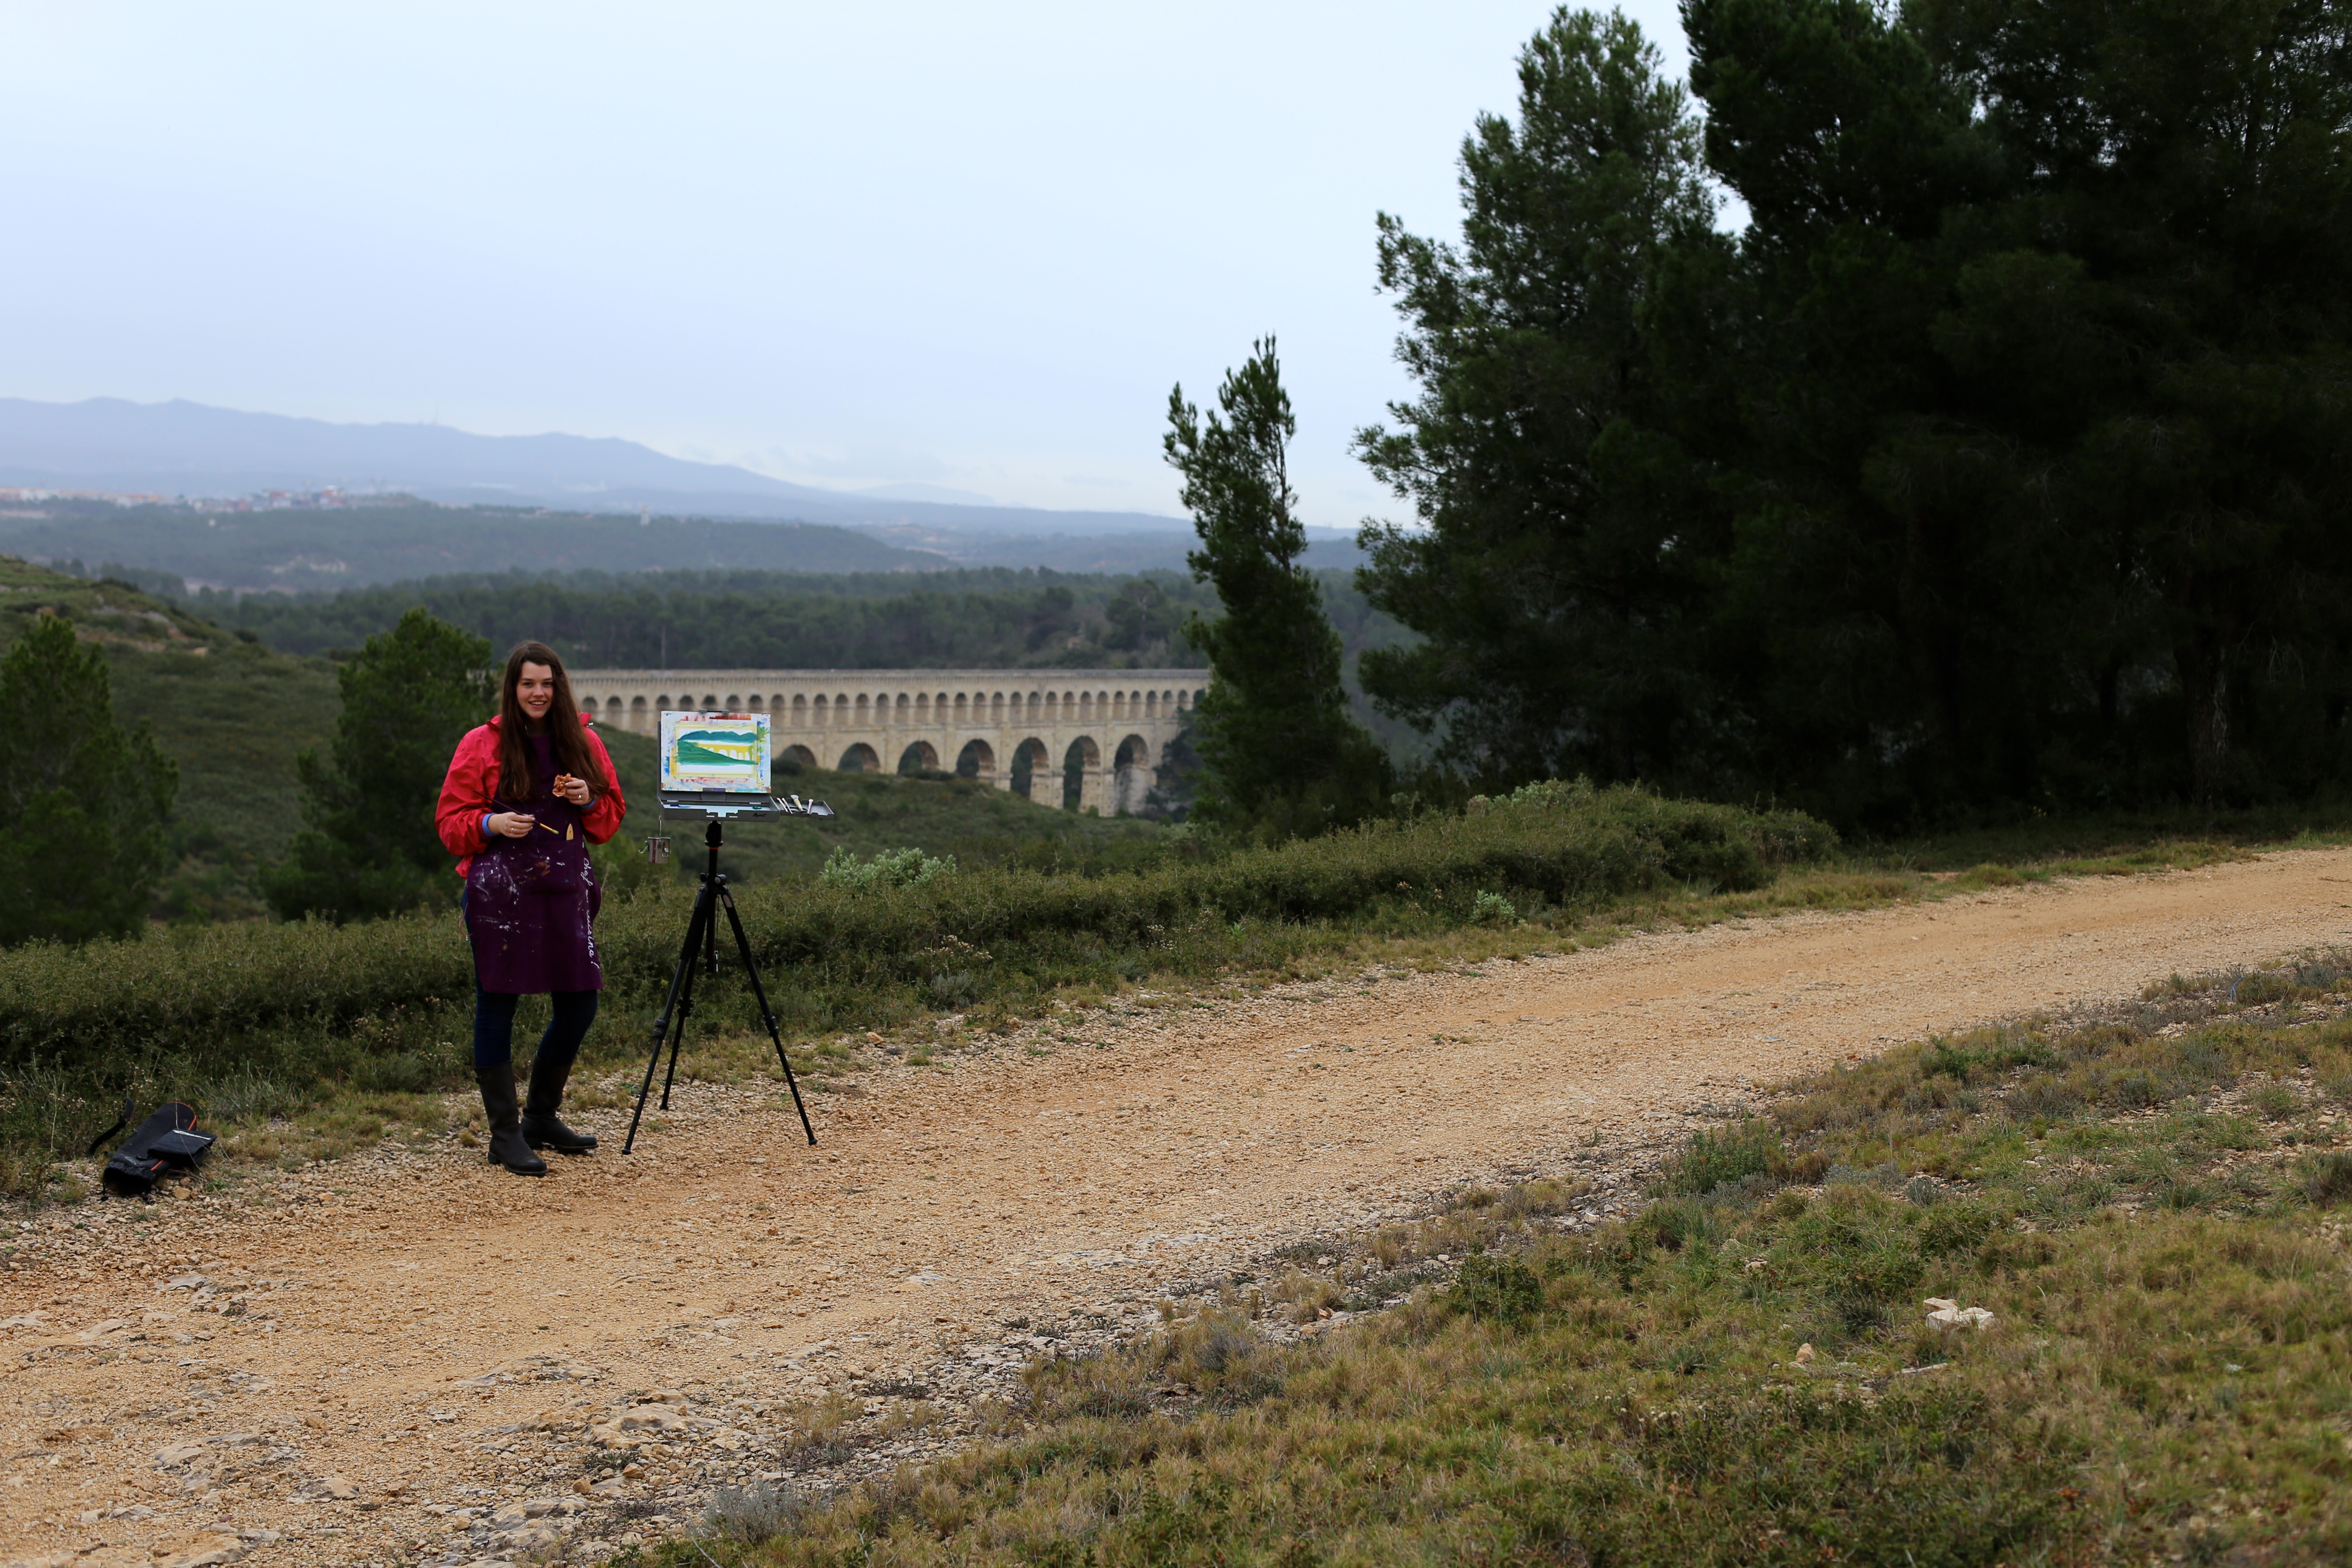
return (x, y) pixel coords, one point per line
(166, 1141)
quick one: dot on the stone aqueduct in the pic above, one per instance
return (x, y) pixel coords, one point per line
(979, 721)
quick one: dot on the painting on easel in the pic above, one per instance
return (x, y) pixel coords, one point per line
(714, 751)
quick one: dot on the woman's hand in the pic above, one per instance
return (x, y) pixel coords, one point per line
(512, 824)
(576, 791)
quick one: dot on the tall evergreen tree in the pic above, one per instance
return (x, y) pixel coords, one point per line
(2155, 331)
(84, 803)
(1280, 752)
(369, 847)
(1555, 577)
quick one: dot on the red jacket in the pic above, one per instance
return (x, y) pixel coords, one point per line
(473, 784)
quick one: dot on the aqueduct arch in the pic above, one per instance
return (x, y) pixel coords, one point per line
(1125, 717)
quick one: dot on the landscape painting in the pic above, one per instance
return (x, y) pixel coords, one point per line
(714, 751)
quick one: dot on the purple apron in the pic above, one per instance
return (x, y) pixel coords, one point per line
(531, 902)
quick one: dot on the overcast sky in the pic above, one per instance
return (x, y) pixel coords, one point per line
(968, 246)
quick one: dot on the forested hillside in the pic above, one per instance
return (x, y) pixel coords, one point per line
(686, 619)
(394, 537)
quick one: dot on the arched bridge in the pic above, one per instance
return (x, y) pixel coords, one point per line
(987, 722)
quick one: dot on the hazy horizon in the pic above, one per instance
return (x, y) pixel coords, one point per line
(919, 248)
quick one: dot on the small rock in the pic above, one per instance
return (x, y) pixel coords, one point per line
(638, 1423)
(1947, 1314)
(537, 1536)
(209, 1550)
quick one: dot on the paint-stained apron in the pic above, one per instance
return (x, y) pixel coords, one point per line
(531, 902)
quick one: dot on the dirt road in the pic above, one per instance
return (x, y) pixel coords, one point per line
(417, 1358)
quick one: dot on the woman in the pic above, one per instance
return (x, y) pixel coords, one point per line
(526, 795)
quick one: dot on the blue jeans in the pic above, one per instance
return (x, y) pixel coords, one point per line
(494, 1011)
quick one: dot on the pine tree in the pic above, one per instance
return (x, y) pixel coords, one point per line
(1998, 462)
(1281, 755)
(1556, 578)
(84, 804)
(371, 847)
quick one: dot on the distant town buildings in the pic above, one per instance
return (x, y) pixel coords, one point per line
(18, 495)
(260, 500)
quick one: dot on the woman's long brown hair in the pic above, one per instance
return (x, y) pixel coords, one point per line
(567, 738)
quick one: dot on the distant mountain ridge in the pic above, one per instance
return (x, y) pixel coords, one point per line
(194, 449)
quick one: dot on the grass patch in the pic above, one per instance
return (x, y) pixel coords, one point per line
(1745, 1371)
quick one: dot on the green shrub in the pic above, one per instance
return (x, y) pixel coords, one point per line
(1855, 1253)
(888, 868)
(1726, 1155)
(1501, 1290)
(1987, 1055)
(831, 941)
(2328, 1178)
(1954, 1229)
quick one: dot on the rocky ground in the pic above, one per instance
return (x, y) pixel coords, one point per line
(411, 1357)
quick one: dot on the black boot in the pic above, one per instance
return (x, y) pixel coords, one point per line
(542, 1127)
(508, 1146)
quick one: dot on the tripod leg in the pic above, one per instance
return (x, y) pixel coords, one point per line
(711, 933)
(760, 993)
(676, 1003)
(709, 938)
(678, 1040)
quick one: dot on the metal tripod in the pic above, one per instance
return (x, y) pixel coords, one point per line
(702, 933)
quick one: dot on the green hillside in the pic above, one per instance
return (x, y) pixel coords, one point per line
(230, 710)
